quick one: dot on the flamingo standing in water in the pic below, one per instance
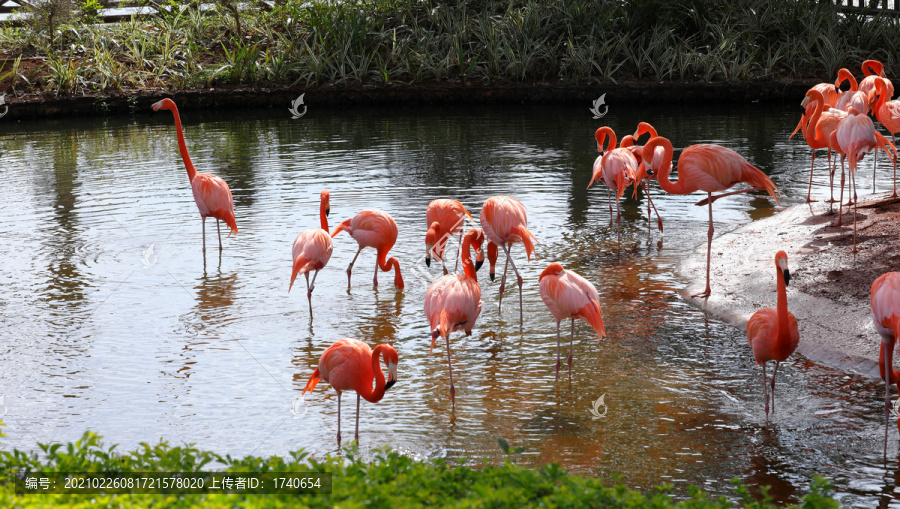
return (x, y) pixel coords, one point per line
(703, 167)
(504, 222)
(886, 317)
(888, 113)
(568, 295)
(773, 333)
(350, 365)
(453, 301)
(853, 97)
(873, 71)
(211, 193)
(856, 137)
(821, 122)
(373, 228)
(616, 166)
(638, 150)
(312, 250)
(444, 218)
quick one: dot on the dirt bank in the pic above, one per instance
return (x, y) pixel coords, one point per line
(829, 288)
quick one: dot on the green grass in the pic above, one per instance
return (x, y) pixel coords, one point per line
(579, 42)
(391, 480)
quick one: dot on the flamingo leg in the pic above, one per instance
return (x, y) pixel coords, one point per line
(609, 199)
(773, 387)
(765, 393)
(356, 432)
(219, 231)
(203, 222)
(450, 369)
(375, 279)
(809, 191)
(350, 267)
(832, 168)
(895, 169)
(339, 419)
(840, 198)
(458, 249)
(519, 280)
(874, 170)
(503, 282)
(659, 222)
(571, 347)
(888, 345)
(712, 198)
(557, 351)
(308, 293)
(855, 201)
(709, 236)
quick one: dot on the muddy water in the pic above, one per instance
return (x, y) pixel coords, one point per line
(113, 319)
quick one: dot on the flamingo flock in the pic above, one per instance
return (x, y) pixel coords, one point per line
(832, 120)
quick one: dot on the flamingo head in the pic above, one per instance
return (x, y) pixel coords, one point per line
(873, 67)
(554, 269)
(390, 356)
(601, 135)
(843, 75)
(781, 263)
(492, 252)
(165, 104)
(476, 239)
(627, 141)
(324, 195)
(431, 238)
(644, 128)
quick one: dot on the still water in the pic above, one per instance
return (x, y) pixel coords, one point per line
(113, 320)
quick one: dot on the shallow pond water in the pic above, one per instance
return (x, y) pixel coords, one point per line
(113, 319)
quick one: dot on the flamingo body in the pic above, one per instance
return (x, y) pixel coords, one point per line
(373, 228)
(885, 302)
(504, 222)
(450, 216)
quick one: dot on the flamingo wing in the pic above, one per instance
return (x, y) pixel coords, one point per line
(372, 228)
(213, 198)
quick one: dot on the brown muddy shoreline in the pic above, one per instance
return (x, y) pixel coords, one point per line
(45, 105)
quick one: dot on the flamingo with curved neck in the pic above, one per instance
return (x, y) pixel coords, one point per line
(453, 301)
(888, 113)
(505, 223)
(772, 333)
(211, 193)
(373, 228)
(885, 302)
(703, 167)
(821, 123)
(350, 365)
(312, 249)
(616, 166)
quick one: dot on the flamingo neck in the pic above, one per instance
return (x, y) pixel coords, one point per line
(182, 147)
(468, 266)
(814, 119)
(781, 309)
(601, 135)
(322, 217)
(680, 185)
(369, 393)
(881, 89)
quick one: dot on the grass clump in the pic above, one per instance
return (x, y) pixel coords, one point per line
(390, 480)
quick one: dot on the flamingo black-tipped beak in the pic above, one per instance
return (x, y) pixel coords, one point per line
(492, 276)
(478, 264)
(428, 261)
(787, 277)
(327, 211)
(389, 384)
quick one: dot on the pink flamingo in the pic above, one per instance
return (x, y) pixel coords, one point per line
(350, 365)
(637, 150)
(822, 121)
(708, 168)
(211, 193)
(886, 317)
(568, 295)
(888, 113)
(373, 228)
(444, 218)
(453, 301)
(853, 97)
(772, 333)
(829, 92)
(504, 222)
(312, 250)
(873, 71)
(616, 166)
(856, 137)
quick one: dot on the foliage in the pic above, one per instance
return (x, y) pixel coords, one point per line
(391, 480)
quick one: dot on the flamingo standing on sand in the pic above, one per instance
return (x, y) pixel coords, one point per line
(373, 228)
(312, 249)
(453, 301)
(568, 295)
(856, 137)
(211, 193)
(504, 222)
(888, 113)
(821, 122)
(773, 333)
(703, 167)
(350, 365)
(616, 166)
(886, 317)
(444, 218)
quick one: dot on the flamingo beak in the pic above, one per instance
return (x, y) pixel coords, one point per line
(787, 277)
(478, 264)
(492, 276)
(389, 385)
(327, 211)
(428, 261)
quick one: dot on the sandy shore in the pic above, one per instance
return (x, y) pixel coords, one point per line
(829, 288)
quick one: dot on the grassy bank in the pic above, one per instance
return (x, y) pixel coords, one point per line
(303, 44)
(391, 480)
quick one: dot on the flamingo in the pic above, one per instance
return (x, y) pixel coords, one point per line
(637, 150)
(828, 91)
(772, 333)
(853, 97)
(312, 250)
(886, 317)
(822, 121)
(873, 71)
(888, 113)
(856, 137)
(373, 228)
(704, 167)
(444, 218)
(504, 222)
(453, 301)
(211, 193)
(350, 365)
(616, 166)
(568, 295)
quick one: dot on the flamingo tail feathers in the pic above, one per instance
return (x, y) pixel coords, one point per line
(343, 225)
(313, 380)
(800, 125)
(594, 317)
(886, 145)
(526, 237)
(299, 264)
(755, 177)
